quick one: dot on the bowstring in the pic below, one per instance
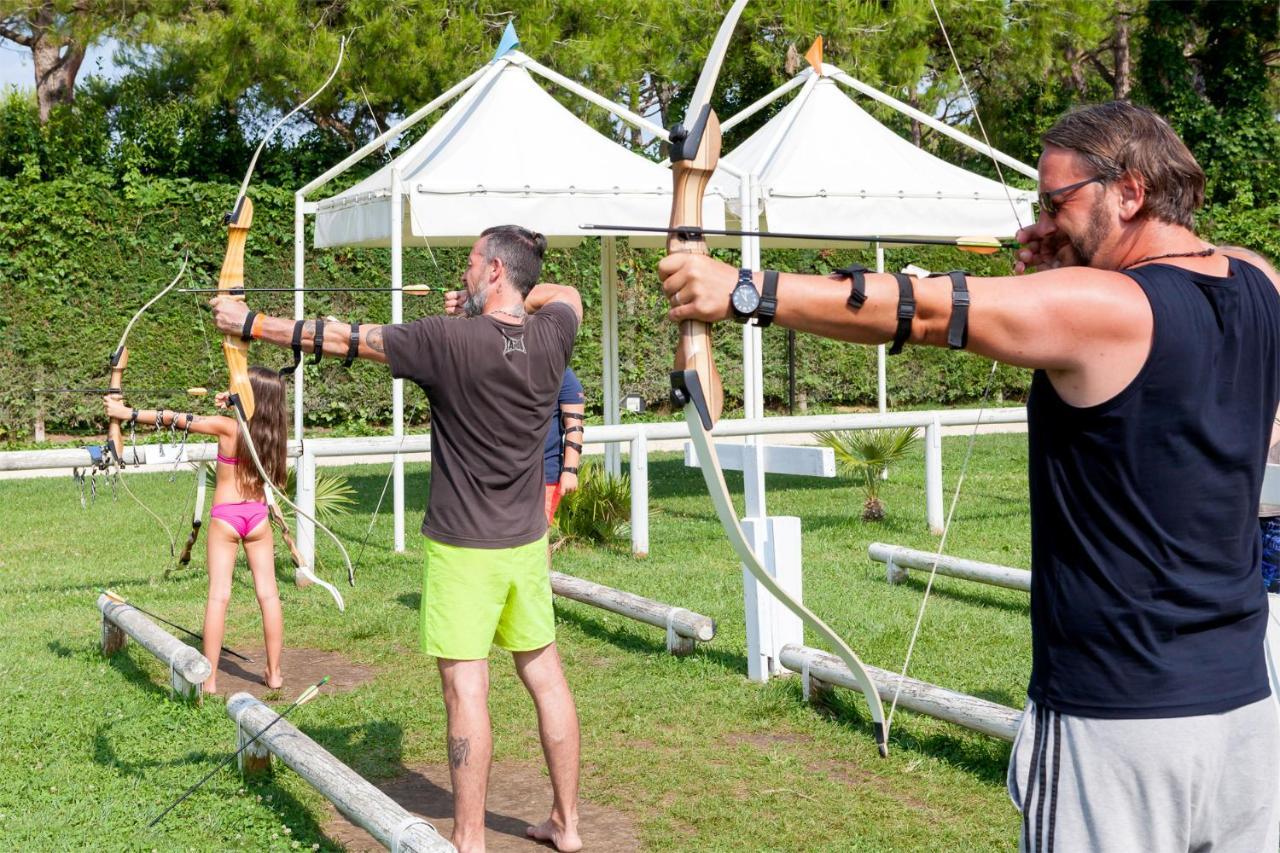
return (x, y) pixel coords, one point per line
(982, 403)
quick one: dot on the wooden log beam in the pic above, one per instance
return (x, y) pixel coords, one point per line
(898, 559)
(684, 627)
(820, 669)
(187, 666)
(363, 804)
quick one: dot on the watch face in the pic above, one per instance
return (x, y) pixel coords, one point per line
(745, 299)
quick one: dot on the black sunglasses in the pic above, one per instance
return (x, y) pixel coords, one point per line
(1047, 203)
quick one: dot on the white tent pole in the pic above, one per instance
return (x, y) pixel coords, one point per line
(299, 300)
(881, 380)
(583, 92)
(925, 119)
(609, 345)
(304, 479)
(397, 385)
(742, 115)
(393, 132)
(752, 366)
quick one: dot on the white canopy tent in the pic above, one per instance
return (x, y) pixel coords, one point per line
(823, 165)
(505, 152)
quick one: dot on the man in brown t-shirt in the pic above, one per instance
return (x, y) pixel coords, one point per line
(492, 380)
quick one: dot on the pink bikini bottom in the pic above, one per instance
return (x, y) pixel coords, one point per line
(243, 516)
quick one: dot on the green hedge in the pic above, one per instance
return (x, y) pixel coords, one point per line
(79, 257)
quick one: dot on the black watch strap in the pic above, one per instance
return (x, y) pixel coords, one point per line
(353, 345)
(768, 299)
(317, 343)
(906, 312)
(569, 469)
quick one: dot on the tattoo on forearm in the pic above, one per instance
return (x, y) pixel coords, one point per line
(459, 749)
(373, 340)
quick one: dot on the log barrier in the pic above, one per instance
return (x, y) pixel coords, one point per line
(898, 560)
(684, 627)
(353, 795)
(821, 670)
(188, 668)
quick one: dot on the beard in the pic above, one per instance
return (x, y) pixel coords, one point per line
(1096, 230)
(474, 304)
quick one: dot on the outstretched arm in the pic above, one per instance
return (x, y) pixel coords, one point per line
(1060, 320)
(229, 316)
(215, 425)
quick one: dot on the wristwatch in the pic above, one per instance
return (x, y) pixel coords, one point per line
(745, 299)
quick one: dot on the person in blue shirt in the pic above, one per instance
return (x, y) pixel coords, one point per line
(564, 443)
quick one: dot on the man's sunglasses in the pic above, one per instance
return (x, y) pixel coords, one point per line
(1050, 206)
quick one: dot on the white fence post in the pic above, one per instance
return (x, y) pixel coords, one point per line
(933, 476)
(306, 499)
(640, 495)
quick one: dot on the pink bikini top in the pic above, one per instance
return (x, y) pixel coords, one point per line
(228, 460)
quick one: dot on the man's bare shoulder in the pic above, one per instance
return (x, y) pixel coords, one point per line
(1254, 258)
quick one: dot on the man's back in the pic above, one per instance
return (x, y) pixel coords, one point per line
(491, 385)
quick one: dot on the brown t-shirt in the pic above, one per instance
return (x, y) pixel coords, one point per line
(492, 386)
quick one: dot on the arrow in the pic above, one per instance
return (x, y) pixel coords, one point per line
(976, 245)
(120, 599)
(408, 288)
(307, 696)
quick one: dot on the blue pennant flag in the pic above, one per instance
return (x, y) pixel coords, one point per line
(508, 43)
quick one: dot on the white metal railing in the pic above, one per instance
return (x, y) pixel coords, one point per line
(636, 437)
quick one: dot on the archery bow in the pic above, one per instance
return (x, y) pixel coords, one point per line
(695, 384)
(235, 349)
(109, 457)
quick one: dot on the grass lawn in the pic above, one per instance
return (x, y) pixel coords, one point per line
(698, 757)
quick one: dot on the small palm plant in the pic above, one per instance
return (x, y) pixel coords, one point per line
(598, 511)
(864, 454)
(334, 496)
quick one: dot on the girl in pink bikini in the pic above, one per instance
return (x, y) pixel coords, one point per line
(239, 509)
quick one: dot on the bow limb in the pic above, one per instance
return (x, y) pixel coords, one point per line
(303, 576)
(695, 384)
(231, 286)
(117, 363)
(714, 477)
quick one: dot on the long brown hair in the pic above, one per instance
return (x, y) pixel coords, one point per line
(267, 427)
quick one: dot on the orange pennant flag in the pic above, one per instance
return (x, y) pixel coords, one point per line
(814, 55)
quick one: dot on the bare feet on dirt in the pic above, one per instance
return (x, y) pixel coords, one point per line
(563, 837)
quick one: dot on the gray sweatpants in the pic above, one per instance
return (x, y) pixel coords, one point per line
(1176, 785)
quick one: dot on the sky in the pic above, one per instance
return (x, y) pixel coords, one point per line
(16, 69)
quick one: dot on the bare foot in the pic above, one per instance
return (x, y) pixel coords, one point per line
(563, 838)
(210, 685)
(273, 682)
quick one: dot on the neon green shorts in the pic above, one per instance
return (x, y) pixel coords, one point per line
(473, 598)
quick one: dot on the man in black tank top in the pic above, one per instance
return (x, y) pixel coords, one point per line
(1150, 723)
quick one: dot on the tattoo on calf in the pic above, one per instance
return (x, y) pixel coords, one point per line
(459, 749)
(373, 340)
